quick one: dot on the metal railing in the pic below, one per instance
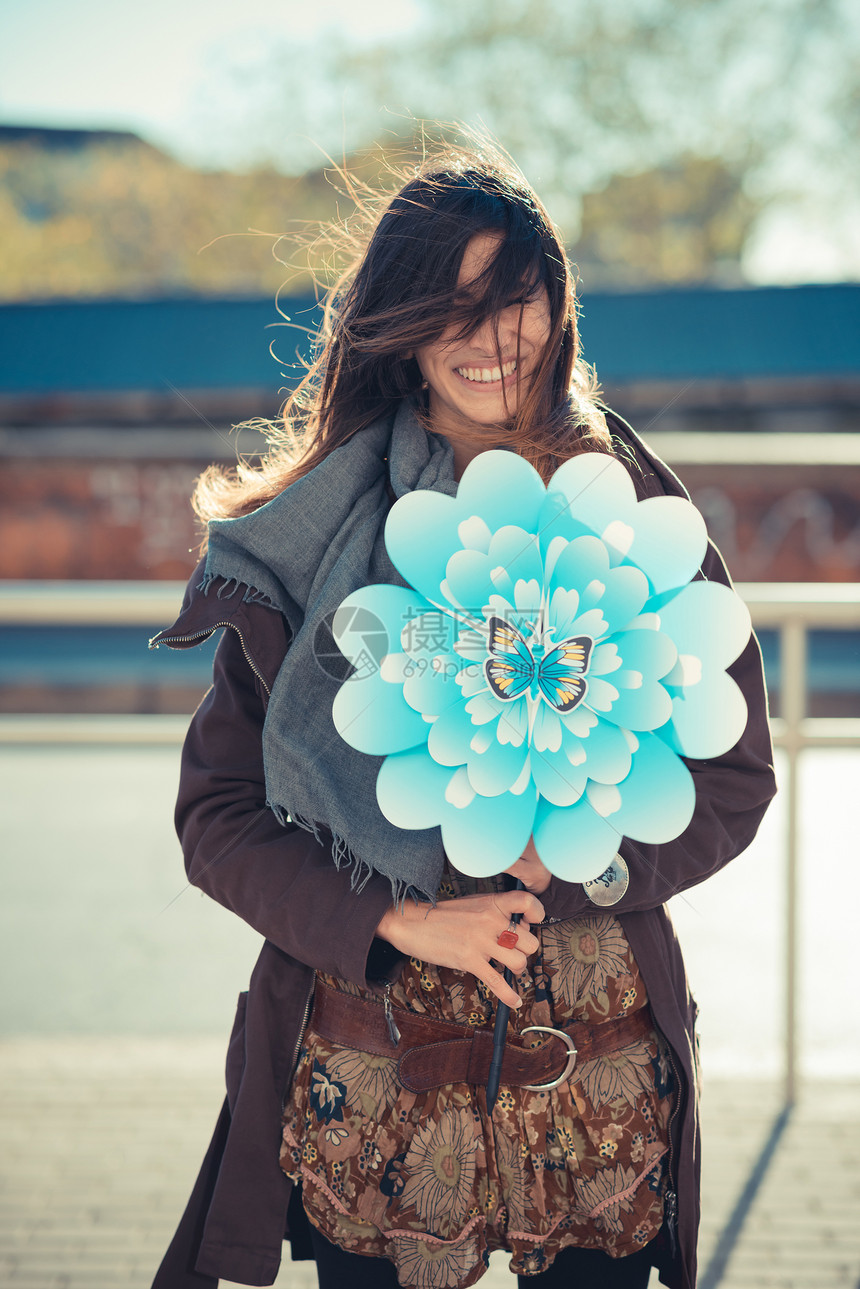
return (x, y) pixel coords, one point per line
(791, 609)
(794, 609)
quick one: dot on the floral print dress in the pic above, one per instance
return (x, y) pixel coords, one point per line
(429, 1181)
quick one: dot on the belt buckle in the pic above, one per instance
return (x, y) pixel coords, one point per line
(571, 1058)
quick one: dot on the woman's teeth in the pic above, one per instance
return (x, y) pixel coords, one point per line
(487, 374)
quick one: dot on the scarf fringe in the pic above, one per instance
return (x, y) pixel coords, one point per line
(345, 857)
(229, 587)
(343, 548)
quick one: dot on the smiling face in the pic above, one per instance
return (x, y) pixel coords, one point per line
(467, 381)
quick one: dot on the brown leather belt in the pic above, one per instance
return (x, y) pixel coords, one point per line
(431, 1052)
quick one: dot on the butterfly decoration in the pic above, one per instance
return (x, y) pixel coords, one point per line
(551, 662)
(515, 667)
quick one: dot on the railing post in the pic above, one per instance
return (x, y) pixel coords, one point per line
(793, 706)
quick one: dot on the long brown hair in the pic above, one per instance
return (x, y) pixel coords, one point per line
(399, 293)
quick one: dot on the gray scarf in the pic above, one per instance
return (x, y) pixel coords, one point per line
(303, 553)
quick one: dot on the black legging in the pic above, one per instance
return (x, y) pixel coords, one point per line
(572, 1269)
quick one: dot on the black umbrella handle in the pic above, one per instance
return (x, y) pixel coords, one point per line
(500, 1029)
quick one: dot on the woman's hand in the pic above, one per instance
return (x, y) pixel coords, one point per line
(463, 933)
(531, 870)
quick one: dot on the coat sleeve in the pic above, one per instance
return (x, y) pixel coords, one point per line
(732, 793)
(278, 879)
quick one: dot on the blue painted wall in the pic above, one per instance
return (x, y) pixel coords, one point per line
(60, 656)
(224, 344)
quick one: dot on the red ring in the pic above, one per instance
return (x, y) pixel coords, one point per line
(508, 940)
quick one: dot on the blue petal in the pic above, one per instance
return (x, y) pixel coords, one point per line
(708, 620)
(425, 635)
(585, 494)
(429, 639)
(432, 687)
(474, 533)
(590, 623)
(605, 660)
(490, 834)
(451, 733)
(663, 536)
(707, 719)
(503, 489)
(547, 729)
(420, 534)
(511, 568)
(642, 702)
(494, 767)
(513, 724)
(653, 653)
(555, 778)
(658, 796)
(607, 754)
(467, 577)
(711, 627)
(624, 597)
(563, 606)
(366, 617)
(581, 562)
(410, 789)
(601, 695)
(670, 541)
(371, 714)
(517, 551)
(574, 842)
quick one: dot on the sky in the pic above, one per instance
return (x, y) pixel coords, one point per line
(144, 67)
(159, 70)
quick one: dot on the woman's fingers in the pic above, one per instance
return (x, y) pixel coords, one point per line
(522, 902)
(526, 944)
(497, 984)
(463, 933)
(514, 959)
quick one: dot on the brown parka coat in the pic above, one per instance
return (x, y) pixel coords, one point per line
(284, 883)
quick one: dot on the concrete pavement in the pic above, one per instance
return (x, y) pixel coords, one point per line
(102, 1139)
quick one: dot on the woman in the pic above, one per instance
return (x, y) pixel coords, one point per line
(455, 332)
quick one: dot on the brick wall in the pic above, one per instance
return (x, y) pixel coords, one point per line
(97, 519)
(781, 507)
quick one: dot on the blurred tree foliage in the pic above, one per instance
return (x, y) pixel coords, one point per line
(119, 217)
(581, 92)
(678, 223)
(657, 132)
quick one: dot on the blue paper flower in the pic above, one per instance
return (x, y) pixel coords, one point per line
(549, 664)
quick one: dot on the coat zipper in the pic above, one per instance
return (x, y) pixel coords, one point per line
(671, 1202)
(302, 1027)
(393, 1031)
(204, 635)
